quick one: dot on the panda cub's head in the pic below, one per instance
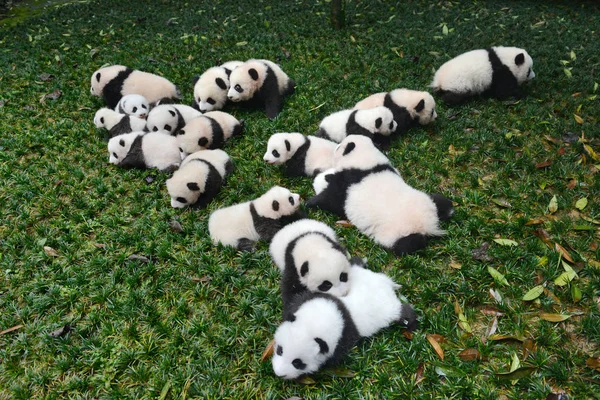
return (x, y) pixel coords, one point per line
(187, 183)
(102, 76)
(118, 146)
(210, 90)
(246, 80)
(419, 104)
(357, 151)
(101, 117)
(196, 135)
(518, 61)
(133, 104)
(278, 202)
(163, 117)
(280, 148)
(307, 339)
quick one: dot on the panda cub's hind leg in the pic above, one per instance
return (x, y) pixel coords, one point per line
(244, 244)
(444, 206)
(454, 98)
(409, 244)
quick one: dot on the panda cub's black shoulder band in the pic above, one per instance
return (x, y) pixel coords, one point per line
(218, 138)
(296, 165)
(112, 91)
(401, 114)
(265, 227)
(504, 84)
(213, 184)
(123, 126)
(354, 128)
(135, 157)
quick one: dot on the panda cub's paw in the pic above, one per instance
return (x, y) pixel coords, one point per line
(408, 317)
(245, 245)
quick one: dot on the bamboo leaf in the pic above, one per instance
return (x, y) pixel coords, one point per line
(553, 206)
(554, 317)
(563, 279)
(506, 242)
(576, 294)
(445, 29)
(498, 277)
(534, 293)
(519, 373)
(581, 203)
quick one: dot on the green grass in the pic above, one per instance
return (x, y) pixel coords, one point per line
(194, 320)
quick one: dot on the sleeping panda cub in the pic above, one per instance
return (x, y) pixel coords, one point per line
(199, 178)
(262, 82)
(170, 117)
(376, 123)
(116, 123)
(318, 329)
(144, 150)
(210, 88)
(116, 81)
(369, 191)
(302, 155)
(133, 104)
(309, 256)
(409, 107)
(208, 131)
(496, 72)
(243, 224)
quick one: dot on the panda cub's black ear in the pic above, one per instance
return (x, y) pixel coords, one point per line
(221, 83)
(520, 59)
(196, 79)
(253, 74)
(349, 147)
(275, 205)
(323, 347)
(378, 123)
(420, 106)
(122, 143)
(193, 186)
(287, 145)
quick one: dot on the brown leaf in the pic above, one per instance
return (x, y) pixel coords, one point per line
(455, 265)
(345, 223)
(419, 373)
(60, 331)
(100, 245)
(52, 96)
(492, 311)
(268, 352)
(408, 335)
(135, 257)
(175, 226)
(552, 139)
(593, 363)
(469, 355)
(45, 77)
(502, 203)
(502, 338)
(528, 348)
(572, 183)
(534, 222)
(565, 254)
(50, 251)
(436, 346)
(14, 328)
(481, 253)
(550, 294)
(543, 164)
(542, 234)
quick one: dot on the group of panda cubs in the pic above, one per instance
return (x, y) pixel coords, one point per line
(330, 299)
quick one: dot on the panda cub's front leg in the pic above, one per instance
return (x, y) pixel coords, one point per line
(245, 244)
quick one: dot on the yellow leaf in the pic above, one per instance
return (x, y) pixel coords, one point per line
(578, 119)
(554, 317)
(436, 346)
(268, 351)
(553, 206)
(581, 203)
(588, 149)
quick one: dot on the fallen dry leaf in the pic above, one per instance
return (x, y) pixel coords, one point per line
(554, 317)
(565, 254)
(419, 373)
(502, 338)
(175, 226)
(543, 164)
(14, 328)
(528, 347)
(436, 346)
(268, 352)
(408, 335)
(492, 311)
(593, 363)
(534, 222)
(343, 222)
(542, 234)
(100, 245)
(492, 327)
(60, 331)
(469, 355)
(205, 278)
(572, 183)
(135, 257)
(481, 253)
(50, 251)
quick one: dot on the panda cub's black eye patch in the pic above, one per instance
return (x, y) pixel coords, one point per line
(238, 89)
(115, 155)
(144, 106)
(181, 200)
(298, 364)
(291, 199)
(102, 119)
(343, 277)
(325, 286)
(210, 100)
(168, 127)
(134, 109)
(275, 153)
(279, 350)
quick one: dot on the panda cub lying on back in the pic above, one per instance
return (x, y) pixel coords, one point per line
(116, 123)
(365, 188)
(133, 104)
(302, 155)
(242, 225)
(170, 117)
(496, 72)
(199, 178)
(262, 82)
(319, 329)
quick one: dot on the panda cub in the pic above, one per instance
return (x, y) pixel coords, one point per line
(144, 150)
(262, 82)
(243, 224)
(199, 178)
(117, 124)
(495, 72)
(170, 117)
(208, 131)
(210, 88)
(302, 155)
(133, 104)
(369, 191)
(373, 122)
(309, 256)
(409, 107)
(116, 81)
(318, 329)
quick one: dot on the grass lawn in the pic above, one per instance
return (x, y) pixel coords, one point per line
(190, 320)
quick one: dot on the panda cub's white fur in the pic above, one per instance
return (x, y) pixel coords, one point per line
(170, 117)
(116, 81)
(208, 131)
(496, 71)
(303, 155)
(241, 225)
(199, 178)
(133, 104)
(117, 123)
(369, 122)
(144, 150)
(210, 90)
(408, 106)
(309, 256)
